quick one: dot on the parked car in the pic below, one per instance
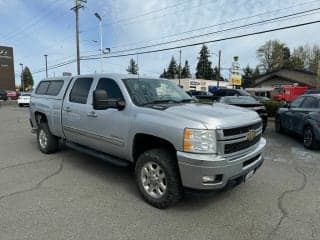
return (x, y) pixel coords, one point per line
(249, 103)
(222, 92)
(289, 93)
(153, 125)
(201, 95)
(3, 95)
(12, 95)
(313, 91)
(24, 99)
(301, 117)
(261, 98)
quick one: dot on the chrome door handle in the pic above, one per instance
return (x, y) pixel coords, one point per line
(92, 114)
(67, 109)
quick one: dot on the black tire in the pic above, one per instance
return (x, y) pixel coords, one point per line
(309, 140)
(51, 144)
(20, 105)
(168, 164)
(277, 125)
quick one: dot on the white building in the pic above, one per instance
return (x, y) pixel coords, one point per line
(198, 84)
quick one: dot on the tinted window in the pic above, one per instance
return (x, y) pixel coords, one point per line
(42, 88)
(54, 88)
(80, 90)
(296, 103)
(310, 102)
(239, 100)
(111, 87)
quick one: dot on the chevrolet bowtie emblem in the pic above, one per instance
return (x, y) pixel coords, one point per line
(251, 135)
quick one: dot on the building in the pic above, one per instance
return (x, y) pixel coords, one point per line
(287, 77)
(269, 83)
(7, 81)
(198, 84)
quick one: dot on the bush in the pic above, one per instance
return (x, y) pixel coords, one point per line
(272, 107)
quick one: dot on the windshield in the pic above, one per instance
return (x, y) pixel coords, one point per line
(149, 91)
(243, 92)
(239, 100)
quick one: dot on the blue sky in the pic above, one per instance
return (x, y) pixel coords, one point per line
(34, 28)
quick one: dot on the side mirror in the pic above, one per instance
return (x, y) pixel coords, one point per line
(287, 105)
(121, 104)
(100, 99)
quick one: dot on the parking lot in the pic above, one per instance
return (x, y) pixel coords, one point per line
(69, 195)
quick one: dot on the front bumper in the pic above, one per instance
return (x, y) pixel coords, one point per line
(194, 167)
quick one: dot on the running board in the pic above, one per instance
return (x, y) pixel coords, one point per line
(104, 157)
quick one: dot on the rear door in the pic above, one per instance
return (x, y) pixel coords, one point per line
(75, 109)
(287, 116)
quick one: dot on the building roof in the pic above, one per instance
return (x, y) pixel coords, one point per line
(301, 77)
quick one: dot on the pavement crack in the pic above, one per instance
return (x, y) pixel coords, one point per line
(26, 163)
(283, 210)
(37, 186)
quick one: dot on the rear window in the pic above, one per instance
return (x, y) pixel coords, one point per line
(54, 88)
(42, 88)
(51, 88)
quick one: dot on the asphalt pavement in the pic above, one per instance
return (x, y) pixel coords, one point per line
(69, 195)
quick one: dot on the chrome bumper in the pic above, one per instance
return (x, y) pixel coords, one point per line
(197, 169)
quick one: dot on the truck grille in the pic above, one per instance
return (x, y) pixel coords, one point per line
(235, 147)
(241, 130)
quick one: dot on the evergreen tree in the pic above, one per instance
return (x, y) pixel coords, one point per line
(27, 79)
(216, 75)
(256, 73)
(204, 69)
(247, 77)
(164, 74)
(133, 67)
(185, 73)
(172, 69)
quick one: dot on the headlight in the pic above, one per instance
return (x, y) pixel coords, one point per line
(199, 141)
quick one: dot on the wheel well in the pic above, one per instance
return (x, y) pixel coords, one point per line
(144, 142)
(40, 117)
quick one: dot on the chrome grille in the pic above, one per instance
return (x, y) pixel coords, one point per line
(241, 130)
(235, 147)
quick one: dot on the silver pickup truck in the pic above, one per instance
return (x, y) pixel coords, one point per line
(172, 142)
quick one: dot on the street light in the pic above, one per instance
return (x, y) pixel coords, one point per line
(22, 85)
(45, 56)
(101, 49)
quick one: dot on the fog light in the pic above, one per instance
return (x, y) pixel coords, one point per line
(208, 179)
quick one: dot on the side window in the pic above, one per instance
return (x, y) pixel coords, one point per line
(54, 88)
(111, 87)
(80, 90)
(296, 103)
(42, 88)
(310, 102)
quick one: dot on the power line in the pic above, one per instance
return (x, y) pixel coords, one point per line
(218, 24)
(191, 44)
(215, 32)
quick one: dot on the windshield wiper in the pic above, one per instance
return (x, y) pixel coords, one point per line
(160, 101)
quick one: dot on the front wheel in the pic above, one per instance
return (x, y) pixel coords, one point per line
(309, 140)
(278, 126)
(158, 179)
(46, 141)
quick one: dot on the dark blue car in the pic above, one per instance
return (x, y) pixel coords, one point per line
(301, 117)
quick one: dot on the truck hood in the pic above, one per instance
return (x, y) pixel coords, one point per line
(214, 116)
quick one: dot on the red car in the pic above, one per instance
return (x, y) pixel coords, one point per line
(289, 93)
(12, 95)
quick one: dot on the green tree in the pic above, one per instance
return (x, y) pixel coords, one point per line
(314, 59)
(133, 67)
(185, 73)
(216, 75)
(256, 73)
(273, 55)
(247, 77)
(299, 57)
(27, 79)
(164, 74)
(172, 71)
(204, 69)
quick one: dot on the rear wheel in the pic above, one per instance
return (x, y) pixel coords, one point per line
(20, 105)
(278, 126)
(46, 141)
(158, 178)
(309, 140)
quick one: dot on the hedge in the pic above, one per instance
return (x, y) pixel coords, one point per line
(272, 107)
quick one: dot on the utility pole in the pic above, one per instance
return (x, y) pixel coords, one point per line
(219, 68)
(78, 5)
(45, 57)
(179, 67)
